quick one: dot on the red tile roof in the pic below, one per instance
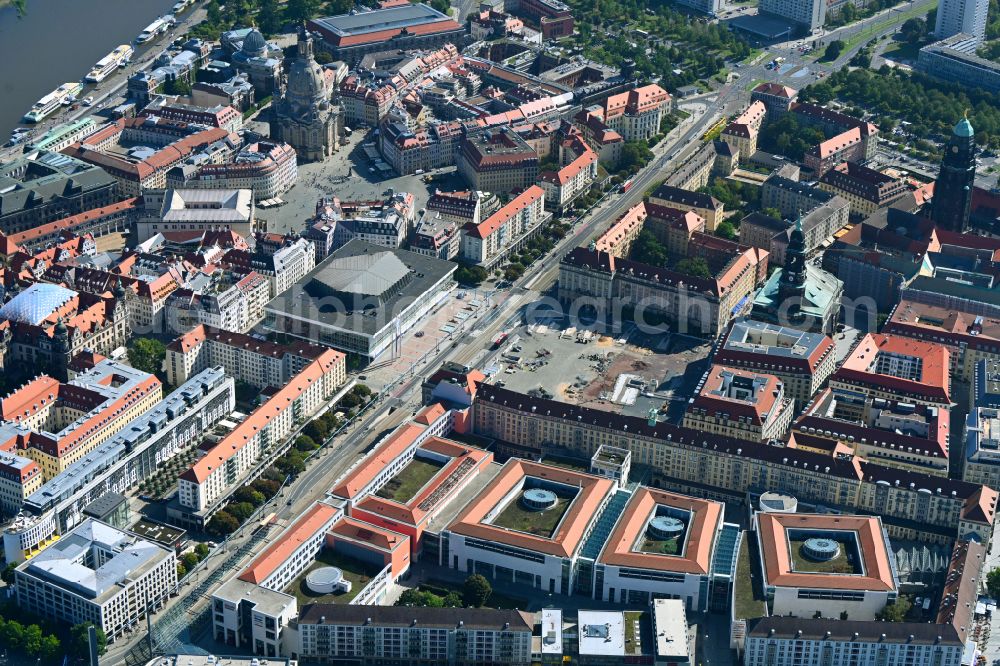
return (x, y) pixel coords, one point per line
(306, 527)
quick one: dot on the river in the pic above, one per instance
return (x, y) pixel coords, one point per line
(58, 41)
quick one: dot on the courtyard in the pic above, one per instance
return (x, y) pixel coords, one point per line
(357, 572)
(540, 523)
(405, 485)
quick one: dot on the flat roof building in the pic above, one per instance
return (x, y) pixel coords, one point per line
(98, 574)
(825, 564)
(803, 361)
(361, 299)
(349, 37)
(528, 525)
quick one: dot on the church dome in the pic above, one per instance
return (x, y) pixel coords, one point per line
(964, 128)
(254, 44)
(305, 80)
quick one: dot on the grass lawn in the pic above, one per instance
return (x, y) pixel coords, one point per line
(838, 565)
(577, 464)
(402, 487)
(540, 523)
(632, 633)
(746, 604)
(660, 547)
(902, 51)
(753, 84)
(885, 21)
(358, 572)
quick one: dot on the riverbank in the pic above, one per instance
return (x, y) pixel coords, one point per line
(57, 41)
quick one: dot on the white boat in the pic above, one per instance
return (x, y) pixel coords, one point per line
(108, 63)
(181, 5)
(46, 105)
(157, 27)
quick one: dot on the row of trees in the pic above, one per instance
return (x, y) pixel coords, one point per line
(249, 498)
(245, 501)
(43, 642)
(789, 138)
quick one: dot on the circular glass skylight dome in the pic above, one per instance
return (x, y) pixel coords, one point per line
(539, 499)
(820, 550)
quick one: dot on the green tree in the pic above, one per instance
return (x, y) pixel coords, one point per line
(147, 354)
(897, 611)
(442, 6)
(291, 463)
(214, 12)
(267, 487)
(410, 598)
(51, 648)
(181, 570)
(249, 494)
(32, 640)
(726, 230)
(993, 583)
(8, 572)
(833, 50)
(222, 524)
(12, 634)
(452, 600)
(201, 550)
(298, 11)
(339, 6)
(647, 249)
(305, 443)
(240, 510)
(317, 430)
(269, 17)
(476, 591)
(470, 275)
(189, 560)
(913, 30)
(79, 644)
(693, 266)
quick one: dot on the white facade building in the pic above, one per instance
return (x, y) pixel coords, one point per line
(962, 16)
(98, 574)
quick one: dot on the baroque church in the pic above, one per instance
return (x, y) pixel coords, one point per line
(304, 116)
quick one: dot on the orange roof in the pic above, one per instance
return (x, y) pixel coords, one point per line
(504, 215)
(755, 408)
(30, 398)
(261, 417)
(619, 231)
(306, 527)
(74, 221)
(775, 547)
(400, 440)
(369, 535)
(696, 556)
(430, 414)
(932, 383)
(569, 534)
(421, 505)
